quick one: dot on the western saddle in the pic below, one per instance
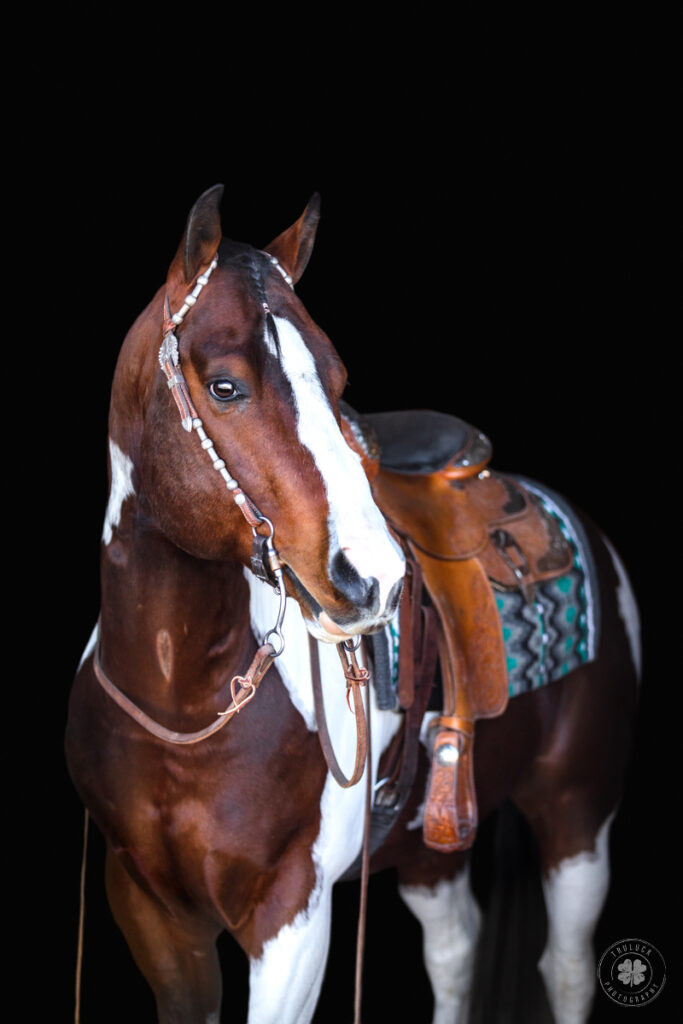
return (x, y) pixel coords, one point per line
(466, 531)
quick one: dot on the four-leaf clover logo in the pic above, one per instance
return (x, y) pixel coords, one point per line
(632, 972)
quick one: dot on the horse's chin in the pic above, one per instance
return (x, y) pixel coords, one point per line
(326, 629)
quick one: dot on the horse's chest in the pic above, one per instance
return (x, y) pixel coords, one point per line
(341, 811)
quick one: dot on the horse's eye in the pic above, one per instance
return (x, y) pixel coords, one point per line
(223, 390)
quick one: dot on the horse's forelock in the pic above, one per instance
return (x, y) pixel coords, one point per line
(255, 266)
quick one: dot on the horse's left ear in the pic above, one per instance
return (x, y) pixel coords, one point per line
(294, 246)
(202, 236)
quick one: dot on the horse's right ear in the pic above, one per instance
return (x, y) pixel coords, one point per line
(293, 247)
(202, 236)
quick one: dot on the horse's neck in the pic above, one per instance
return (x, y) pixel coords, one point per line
(174, 629)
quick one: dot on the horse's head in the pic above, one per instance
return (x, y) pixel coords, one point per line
(265, 382)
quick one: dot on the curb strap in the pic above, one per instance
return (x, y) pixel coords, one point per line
(242, 689)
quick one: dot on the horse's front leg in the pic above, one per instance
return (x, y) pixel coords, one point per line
(286, 976)
(177, 955)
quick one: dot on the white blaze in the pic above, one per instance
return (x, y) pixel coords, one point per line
(355, 522)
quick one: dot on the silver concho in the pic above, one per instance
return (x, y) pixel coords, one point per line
(168, 353)
(447, 753)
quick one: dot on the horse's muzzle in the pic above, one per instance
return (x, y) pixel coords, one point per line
(365, 612)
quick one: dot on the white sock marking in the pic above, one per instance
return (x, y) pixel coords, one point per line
(574, 894)
(450, 919)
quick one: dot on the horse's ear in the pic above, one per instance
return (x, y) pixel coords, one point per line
(294, 246)
(202, 236)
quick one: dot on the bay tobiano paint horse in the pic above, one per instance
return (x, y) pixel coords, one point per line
(240, 524)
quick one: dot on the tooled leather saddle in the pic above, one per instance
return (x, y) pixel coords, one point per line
(467, 531)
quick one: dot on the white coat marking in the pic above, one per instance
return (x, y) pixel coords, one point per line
(90, 646)
(121, 488)
(574, 893)
(628, 609)
(450, 919)
(355, 523)
(285, 981)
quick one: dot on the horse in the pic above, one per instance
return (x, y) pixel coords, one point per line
(242, 531)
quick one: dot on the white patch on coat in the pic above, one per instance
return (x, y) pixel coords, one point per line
(293, 664)
(285, 981)
(450, 919)
(418, 820)
(90, 646)
(574, 893)
(356, 525)
(121, 488)
(628, 609)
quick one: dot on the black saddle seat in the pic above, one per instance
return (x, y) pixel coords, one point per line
(422, 441)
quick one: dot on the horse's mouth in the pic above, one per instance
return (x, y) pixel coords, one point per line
(319, 623)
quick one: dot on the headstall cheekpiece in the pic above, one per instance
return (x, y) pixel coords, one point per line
(265, 562)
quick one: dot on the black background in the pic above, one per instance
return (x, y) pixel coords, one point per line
(489, 246)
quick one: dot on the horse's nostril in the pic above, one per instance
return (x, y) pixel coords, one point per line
(362, 593)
